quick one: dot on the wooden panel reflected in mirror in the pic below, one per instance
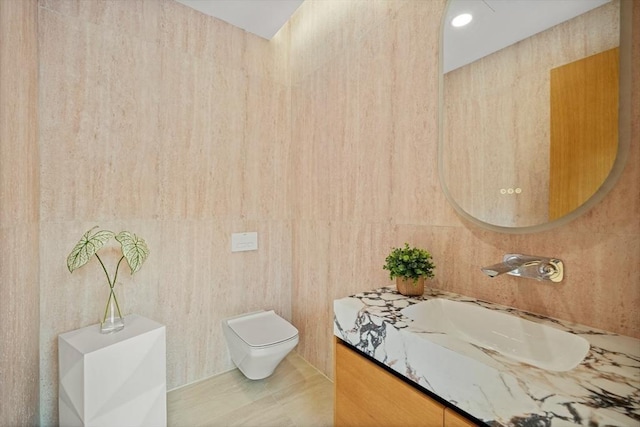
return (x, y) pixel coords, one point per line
(584, 129)
(494, 156)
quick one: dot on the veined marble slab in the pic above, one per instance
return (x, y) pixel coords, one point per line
(603, 390)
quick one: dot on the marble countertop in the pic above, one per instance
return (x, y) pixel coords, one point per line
(603, 390)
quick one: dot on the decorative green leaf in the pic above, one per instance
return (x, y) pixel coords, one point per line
(134, 249)
(87, 247)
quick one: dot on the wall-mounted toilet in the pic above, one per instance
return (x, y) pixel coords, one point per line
(258, 342)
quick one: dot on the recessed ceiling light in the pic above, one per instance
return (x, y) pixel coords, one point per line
(461, 20)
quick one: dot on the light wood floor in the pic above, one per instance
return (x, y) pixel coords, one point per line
(296, 395)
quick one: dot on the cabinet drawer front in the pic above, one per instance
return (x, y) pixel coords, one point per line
(368, 395)
(453, 419)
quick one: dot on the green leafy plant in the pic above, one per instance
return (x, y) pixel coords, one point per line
(409, 263)
(134, 250)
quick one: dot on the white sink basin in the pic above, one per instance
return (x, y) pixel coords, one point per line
(520, 339)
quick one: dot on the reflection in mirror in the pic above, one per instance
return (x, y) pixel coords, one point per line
(515, 121)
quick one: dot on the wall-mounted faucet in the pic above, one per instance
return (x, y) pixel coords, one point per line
(533, 267)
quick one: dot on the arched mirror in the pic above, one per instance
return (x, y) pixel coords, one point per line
(529, 110)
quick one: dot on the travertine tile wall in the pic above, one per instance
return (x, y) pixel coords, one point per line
(157, 119)
(19, 204)
(364, 122)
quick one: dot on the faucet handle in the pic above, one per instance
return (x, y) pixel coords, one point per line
(552, 270)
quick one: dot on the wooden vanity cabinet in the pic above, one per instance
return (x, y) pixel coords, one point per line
(368, 395)
(453, 419)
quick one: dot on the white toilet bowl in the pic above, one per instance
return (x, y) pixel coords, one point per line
(258, 342)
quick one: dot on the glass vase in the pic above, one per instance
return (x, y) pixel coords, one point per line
(112, 320)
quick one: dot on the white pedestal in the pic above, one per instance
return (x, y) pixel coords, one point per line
(116, 379)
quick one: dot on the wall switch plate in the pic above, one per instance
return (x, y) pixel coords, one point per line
(244, 241)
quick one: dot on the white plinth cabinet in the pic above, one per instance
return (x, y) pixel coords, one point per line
(114, 379)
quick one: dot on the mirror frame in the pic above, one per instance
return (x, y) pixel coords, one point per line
(624, 131)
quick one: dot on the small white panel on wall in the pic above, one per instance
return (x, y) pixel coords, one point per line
(114, 379)
(244, 241)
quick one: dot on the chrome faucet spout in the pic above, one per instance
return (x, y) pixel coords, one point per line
(497, 269)
(508, 265)
(539, 268)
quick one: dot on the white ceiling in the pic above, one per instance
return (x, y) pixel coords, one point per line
(499, 23)
(260, 17)
(496, 23)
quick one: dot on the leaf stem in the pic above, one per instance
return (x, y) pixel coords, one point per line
(117, 268)
(111, 285)
(106, 310)
(105, 271)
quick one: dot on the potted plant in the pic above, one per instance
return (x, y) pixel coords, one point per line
(134, 250)
(409, 266)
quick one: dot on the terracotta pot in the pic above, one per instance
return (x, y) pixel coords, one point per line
(410, 288)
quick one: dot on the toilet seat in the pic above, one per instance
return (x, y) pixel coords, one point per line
(262, 329)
